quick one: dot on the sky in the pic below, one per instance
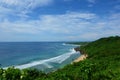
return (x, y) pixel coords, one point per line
(58, 20)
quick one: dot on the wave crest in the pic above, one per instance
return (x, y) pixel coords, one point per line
(58, 59)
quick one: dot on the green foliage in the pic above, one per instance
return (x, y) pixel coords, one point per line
(103, 47)
(17, 74)
(103, 63)
(31, 74)
(10, 74)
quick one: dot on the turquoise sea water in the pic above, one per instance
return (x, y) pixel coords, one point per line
(46, 56)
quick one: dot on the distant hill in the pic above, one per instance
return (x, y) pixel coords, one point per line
(103, 47)
(102, 63)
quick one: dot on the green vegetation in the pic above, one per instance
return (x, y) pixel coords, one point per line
(103, 63)
(17, 74)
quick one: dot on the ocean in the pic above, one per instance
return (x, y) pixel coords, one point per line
(45, 56)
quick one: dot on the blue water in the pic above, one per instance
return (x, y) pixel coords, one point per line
(45, 56)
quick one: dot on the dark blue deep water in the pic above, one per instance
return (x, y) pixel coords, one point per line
(46, 56)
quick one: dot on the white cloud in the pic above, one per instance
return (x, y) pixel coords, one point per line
(115, 16)
(20, 8)
(91, 3)
(23, 4)
(53, 23)
(72, 25)
(81, 15)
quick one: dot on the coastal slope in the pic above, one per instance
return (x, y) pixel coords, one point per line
(102, 62)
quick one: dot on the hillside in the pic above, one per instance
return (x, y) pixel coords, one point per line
(102, 63)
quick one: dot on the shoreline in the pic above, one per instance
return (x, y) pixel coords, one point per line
(81, 57)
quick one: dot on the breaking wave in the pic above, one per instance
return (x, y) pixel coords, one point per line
(59, 59)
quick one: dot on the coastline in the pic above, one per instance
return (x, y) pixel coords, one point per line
(81, 57)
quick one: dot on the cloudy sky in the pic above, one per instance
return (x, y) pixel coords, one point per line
(58, 20)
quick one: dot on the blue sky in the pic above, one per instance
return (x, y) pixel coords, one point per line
(58, 20)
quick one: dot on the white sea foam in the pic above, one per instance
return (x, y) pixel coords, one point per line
(58, 59)
(70, 44)
(63, 43)
(48, 66)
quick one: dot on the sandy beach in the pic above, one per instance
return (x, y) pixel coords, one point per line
(82, 57)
